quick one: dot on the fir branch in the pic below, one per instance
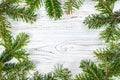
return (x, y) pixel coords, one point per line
(34, 4)
(5, 33)
(62, 73)
(109, 54)
(107, 18)
(5, 56)
(83, 77)
(13, 47)
(20, 13)
(104, 54)
(53, 8)
(111, 32)
(96, 21)
(91, 69)
(105, 6)
(70, 5)
(115, 67)
(19, 68)
(21, 54)
(37, 76)
(48, 76)
(21, 40)
(8, 2)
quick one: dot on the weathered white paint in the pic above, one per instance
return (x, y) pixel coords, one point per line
(66, 41)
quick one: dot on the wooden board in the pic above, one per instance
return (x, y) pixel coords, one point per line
(66, 41)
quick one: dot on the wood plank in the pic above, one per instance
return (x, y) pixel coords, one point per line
(66, 41)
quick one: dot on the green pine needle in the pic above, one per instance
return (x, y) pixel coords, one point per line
(70, 5)
(107, 19)
(53, 8)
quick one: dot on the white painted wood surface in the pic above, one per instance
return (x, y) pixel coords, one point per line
(66, 41)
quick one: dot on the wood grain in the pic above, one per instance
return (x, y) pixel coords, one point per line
(66, 41)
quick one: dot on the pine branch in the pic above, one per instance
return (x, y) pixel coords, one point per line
(15, 70)
(6, 38)
(70, 5)
(96, 21)
(111, 33)
(8, 2)
(34, 4)
(107, 18)
(105, 6)
(83, 77)
(91, 69)
(62, 73)
(109, 64)
(21, 40)
(14, 47)
(16, 50)
(53, 8)
(108, 54)
(5, 33)
(48, 76)
(20, 55)
(37, 76)
(59, 73)
(115, 67)
(20, 13)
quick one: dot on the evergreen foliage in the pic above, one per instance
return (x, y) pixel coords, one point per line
(108, 67)
(107, 18)
(108, 58)
(62, 73)
(59, 73)
(14, 47)
(23, 12)
(14, 50)
(70, 5)
(53, 8)
(38, 76)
